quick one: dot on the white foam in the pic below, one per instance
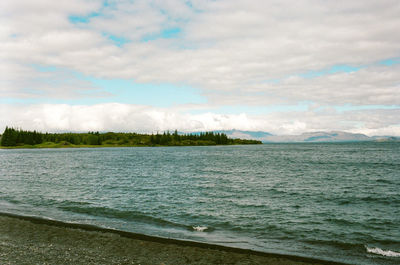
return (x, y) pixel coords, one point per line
(387, 253)
(200, 228)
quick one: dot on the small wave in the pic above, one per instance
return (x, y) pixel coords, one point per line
(344, 202)
(387, 253)
(200, 228)
(386, 181)
(335, 243)
(340, 221)
(123, 215)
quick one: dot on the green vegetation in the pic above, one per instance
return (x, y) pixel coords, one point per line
(13, 138)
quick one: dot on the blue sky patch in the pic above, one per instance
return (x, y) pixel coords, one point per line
(78, 19)
(82, 19)
(390, 62)
(116, 90)
(333, 70)
(75, 19)
(170, 33)
(118, 41)
(158, 95)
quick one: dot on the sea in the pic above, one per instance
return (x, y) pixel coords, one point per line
(331, 201)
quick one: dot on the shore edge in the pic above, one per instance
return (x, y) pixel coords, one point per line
(168, 241)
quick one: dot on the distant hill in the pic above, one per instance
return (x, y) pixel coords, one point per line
(386, 138)
(334, 136)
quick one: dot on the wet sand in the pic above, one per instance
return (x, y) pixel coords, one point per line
(28, 240)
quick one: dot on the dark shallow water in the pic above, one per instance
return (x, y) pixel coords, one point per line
(338, 202)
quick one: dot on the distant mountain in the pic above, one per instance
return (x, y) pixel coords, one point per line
(310, 137)
(305, 137)
(320, 137)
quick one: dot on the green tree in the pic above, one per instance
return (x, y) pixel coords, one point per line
(93, 139)
(9, 137)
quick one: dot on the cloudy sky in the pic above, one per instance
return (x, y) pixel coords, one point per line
(284, 67)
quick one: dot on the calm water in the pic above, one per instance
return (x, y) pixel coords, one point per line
(337, 202)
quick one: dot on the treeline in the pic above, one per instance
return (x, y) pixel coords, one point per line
(12, 137)
(18, 137)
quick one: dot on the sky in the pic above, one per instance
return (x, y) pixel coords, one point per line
(284, 67)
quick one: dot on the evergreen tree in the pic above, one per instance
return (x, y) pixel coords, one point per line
(13, 137)
(176, 136)
(9, 137)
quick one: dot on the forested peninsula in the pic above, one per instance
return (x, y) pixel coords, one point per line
(18, 138)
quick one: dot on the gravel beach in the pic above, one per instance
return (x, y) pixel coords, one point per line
(26, 240)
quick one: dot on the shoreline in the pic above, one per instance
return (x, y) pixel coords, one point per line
(51, 236)
(107, 146)
(71, 146)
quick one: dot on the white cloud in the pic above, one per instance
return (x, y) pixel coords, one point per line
(374, 85)
(232, 43)
(26, 82)
(116, 117)
(231, 50)
(135, 118)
